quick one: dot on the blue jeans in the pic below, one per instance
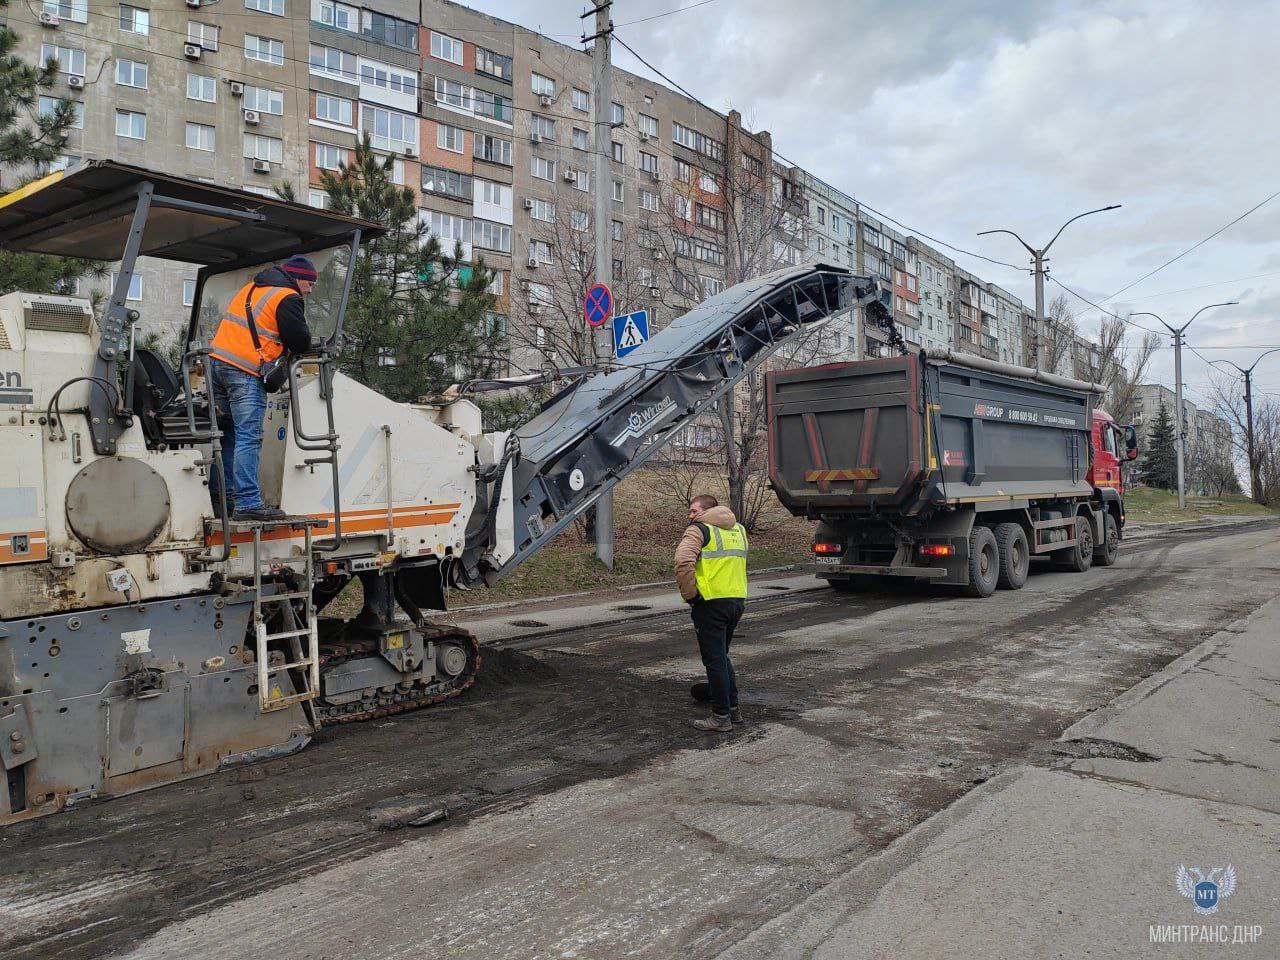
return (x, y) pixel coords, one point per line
(241, 403)
(715, 621)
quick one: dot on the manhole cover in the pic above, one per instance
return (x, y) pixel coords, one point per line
(633, 606)
(527, 623)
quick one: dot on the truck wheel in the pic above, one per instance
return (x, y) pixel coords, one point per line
(1104, 555)
(1079, 558)
(984, 563)
(1015, 555)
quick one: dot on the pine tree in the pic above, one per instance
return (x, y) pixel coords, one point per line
(30, 140)
(418, 319)
(1160, 462)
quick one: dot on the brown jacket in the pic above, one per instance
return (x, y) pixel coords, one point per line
(691, 545)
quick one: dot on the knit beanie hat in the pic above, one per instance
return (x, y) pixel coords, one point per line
(300, 268)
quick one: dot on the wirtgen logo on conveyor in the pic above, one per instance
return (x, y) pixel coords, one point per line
(643, 419)
(11, 388)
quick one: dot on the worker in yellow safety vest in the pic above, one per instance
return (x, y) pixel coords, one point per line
(264, 319)
(711, 572)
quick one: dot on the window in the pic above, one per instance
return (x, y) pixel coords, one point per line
(648, 162)
(450, 138)
(822, 215)
(188, 292)
(580, 139)
(135, 286)
(204, 35)
(493, 236)
(392, 79)
(450, 183)
(390, 129)
(835, 222)
(684, 173)
(70, 59)
(712, 285)
(493, 149)
(77, 10)
(581, 180)
(257, 147)
(494, 64)
(131, 73)
(494, 194)
(542, 168)
(450, 229)
(540, 250)
(617, 152)
(753, 165)
(264, 49)
(648, 125)
(453, 94)
(616, 114)
(131, 124)
(579, 221)
(684, 136)
(498, 284)
(445, 47)
(616, 229)
(580, 100)
(543, 127)
(619, 191)
(648, 200)
(275, 7)
(543, 210)
(340, 16)
(333, 109)
(493, 106)
(711, 217)
(318, 199)
(49, 106)
(392, 31)
(202, 88)
(542, 86)
(708, 253)
(712, 148)
(200, 136)
(135, 20)
(263, 100)
(707, 183)
(822, 245)
(684, 208)
(646, 239)
(328, 157)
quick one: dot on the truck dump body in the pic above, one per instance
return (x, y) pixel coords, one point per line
(905, 434)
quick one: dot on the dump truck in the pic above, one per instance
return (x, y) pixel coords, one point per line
(146, 637)
(946, 468)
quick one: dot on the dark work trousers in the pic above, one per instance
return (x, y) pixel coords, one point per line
(715, 621)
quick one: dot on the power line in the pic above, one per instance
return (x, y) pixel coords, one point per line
(1084, 299)
(1194, 246)
(659, 16)
(1205, 286)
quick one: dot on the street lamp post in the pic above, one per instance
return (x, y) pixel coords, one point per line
(1247, 373)
(1037, 258)
(1178, 340)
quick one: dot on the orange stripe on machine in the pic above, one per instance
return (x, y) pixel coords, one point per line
(360, 521)
(30, 546)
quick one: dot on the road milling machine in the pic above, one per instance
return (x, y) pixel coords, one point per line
(146, 639)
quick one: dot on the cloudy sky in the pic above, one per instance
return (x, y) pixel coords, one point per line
(955, 117)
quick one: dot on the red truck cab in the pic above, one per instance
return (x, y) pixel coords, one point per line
(1111, 446)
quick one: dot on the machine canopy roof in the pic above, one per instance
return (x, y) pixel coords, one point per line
(87, 211)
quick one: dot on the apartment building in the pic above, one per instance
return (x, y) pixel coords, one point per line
(937, 297)
(831, 221)
(1198, 425)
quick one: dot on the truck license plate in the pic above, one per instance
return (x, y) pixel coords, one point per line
(831, 560)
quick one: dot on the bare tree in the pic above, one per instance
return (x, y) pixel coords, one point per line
(1114, 360)
(1211, 465)
(1060, 335)
(1264, 471)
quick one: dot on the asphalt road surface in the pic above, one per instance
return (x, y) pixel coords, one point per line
(587, 818)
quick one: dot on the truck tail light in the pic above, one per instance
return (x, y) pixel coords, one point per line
(827, 549)
(937, 550)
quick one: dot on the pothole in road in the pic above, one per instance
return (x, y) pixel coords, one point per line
(774, 586)
(1094, 748)
(633, 606)
(527, 623)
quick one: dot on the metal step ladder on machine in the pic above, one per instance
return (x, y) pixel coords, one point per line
(300, 634)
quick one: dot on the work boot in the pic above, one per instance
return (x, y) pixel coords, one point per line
(716, 723)
(735, 714)
(217, 507)
(263, 513)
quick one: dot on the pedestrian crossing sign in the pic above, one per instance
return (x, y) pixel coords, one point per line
(629, 331)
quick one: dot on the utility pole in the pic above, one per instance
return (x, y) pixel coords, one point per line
(1178, 341)
(1254, 476)
(1038, 257)
(602, 174)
